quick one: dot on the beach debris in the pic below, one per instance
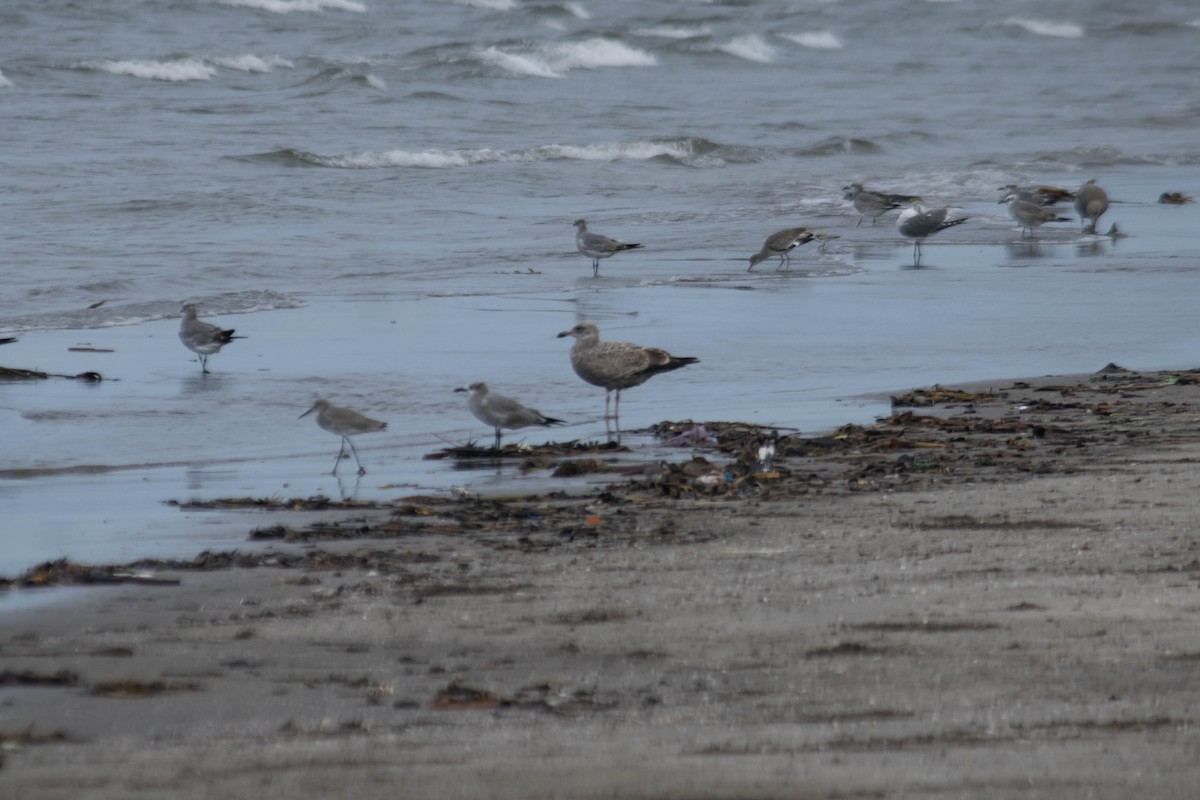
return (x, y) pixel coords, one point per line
(1175, 198)
(693, 436)
(126, 688)
(457, 696)
(17, 374)
(317, 502)
(939, 395)
(97, 304)
(90, 350)
(471, 451)
(7, 339)
(10, 740)
(30, 678)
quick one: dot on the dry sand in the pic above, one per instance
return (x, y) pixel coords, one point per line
(990, 597)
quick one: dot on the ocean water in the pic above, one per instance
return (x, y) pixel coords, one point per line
(380, 194)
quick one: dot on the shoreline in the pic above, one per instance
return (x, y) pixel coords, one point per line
(990, 594)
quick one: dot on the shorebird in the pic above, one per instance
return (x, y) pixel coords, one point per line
(617, 365)
(917, 222)
(597, 246)
(1042, 195)
(781, 243)
(345, 422)
(1029, 213)
(1175, 199)
(874, 204)
(202, 338)
(1091, 202)
(499, 411)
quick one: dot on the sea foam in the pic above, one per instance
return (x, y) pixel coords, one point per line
(289, 6)
(4, 82)
(555, 60)
(680, 149)
(816, 40)
(1058, 30)
(188, 69)
(751, 47)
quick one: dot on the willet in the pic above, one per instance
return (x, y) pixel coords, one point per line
(597, 246)
(202, 338)
(1091, 202)
(781, 243)
(499, 411)
(917, 222)
(617, 365)
(1029, 214)
(874, 204)
(1037, 193)
(345, 422)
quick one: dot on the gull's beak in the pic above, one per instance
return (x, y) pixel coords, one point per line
(461, 389)
(564, 333)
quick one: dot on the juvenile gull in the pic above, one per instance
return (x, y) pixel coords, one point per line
(917, 222)
(874, 204)
(202, 338)
(1091, 202)
(617, 365)
(1029, 213)
(499, 411)
(345, 422)
(597, 246)
(781, 243)
(1042, 195)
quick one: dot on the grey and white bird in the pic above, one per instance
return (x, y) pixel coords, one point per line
(345, 422)
(781, 243)
(202, 338)
(596, 245)
(1029, 213)
(617, 365)
(1038, 193)
(498, 411)
(917, 223)
(874, 204)
(1091, 202)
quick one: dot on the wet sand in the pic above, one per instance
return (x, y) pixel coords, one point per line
(991, 595)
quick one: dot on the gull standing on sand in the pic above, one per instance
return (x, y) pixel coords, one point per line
(617, 365)
(1090, 201)
(202, 338)
(345, 422)
(874, 204)
(499, 411)
(917, 222)
(1029, 213)
(597, 246)
(781, 243)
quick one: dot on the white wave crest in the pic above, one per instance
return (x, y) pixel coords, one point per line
(1059, 30)
(817, 40)
(442, 159)
(494, 5)
(289, 6)
(249, 63)
(675, 33)
(376, 83)
(577, 10)
(1194, 23)
(4, 82)
(188, 69)
(751, 47)
(555, 60)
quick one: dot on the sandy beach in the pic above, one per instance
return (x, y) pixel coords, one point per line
(987, 594)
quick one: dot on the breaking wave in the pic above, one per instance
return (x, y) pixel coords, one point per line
(290, 6)
(688, 152)
(822, 40)
(188, 69)
(751, 47)
(556, 60)
(1058, 30)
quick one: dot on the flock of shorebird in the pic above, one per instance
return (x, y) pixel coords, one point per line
(614, 366)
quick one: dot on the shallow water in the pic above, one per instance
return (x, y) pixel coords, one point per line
(380, 196)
